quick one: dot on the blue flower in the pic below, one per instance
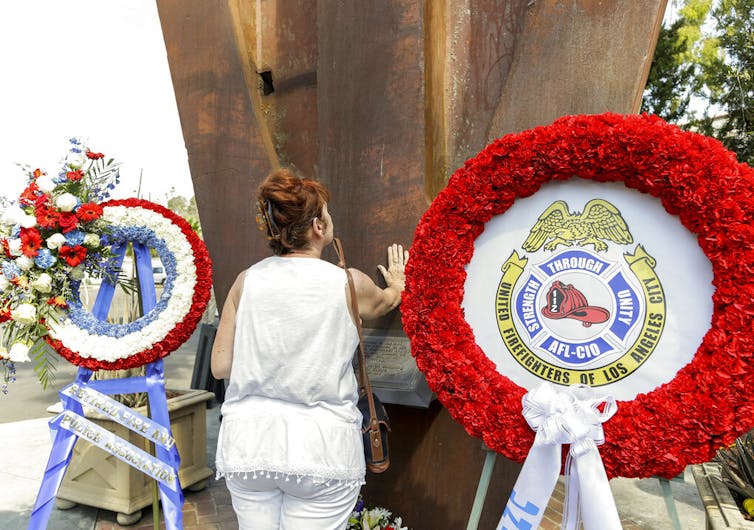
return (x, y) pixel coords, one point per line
(75, 237)
(45, 259)
(133, 234)
(11, 270)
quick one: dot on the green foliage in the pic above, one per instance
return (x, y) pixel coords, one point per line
(737, 465)
(45, 362)
(693, 13)
(729, 78)
(707, 53)
(669, 86)
(187, 209)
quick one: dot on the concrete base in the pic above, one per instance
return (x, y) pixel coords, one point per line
(642, 501)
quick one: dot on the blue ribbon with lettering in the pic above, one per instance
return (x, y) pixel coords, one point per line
(153, 383)
(120, 413)
(118, 447)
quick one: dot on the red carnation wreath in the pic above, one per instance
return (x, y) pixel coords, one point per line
(708, 403)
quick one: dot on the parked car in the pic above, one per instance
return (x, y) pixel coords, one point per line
(158, 271)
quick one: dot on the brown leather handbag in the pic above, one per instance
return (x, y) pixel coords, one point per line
(375, 423)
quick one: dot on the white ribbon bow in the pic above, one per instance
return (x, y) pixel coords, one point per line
(564, 415)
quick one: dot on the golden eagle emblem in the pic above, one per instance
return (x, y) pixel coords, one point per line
(599, 221)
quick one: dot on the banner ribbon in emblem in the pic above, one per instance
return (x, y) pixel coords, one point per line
(564, 415)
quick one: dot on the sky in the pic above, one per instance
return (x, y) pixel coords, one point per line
(96, 69)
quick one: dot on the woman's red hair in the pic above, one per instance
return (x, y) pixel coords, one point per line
(288, 204)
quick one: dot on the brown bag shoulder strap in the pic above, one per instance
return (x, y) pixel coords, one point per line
(365, 386)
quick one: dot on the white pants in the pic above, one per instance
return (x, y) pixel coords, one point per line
(278, 504)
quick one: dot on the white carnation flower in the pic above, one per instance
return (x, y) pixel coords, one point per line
(43, 283)
(45, 183)
(19, 353)
(24, 263)
(4, 283)
(55, 241)
(66, 202)
(14, 245)
(75, 160)
(28, 221)
(24, 314)
(91, 240)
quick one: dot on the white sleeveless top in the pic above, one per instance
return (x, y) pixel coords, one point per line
(290, 407)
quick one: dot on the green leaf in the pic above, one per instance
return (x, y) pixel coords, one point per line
(45, 362)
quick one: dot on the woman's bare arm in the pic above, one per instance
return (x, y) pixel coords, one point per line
(374, 301)
(222, 348)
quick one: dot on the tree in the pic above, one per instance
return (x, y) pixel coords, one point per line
(714, 66)
(187, 209)
(669, 85)
(729, 78)
(675, 73)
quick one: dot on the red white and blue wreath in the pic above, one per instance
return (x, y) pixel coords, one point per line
(94, 344)
(709, 402)
(58, 231)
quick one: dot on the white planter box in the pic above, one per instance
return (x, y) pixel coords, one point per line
(722, 511)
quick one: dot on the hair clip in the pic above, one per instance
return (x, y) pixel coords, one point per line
(265, 222)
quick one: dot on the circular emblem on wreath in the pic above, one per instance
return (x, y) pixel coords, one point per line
(577, 303)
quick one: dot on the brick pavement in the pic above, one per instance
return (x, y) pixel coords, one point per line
(209, 509)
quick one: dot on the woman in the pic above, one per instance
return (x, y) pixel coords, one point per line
(290, 445)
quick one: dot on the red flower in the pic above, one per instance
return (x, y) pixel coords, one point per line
(68, 221)
(20, 281)
(29, 195)
(47, 217)
(89, 212)
(58, 301)
(6, 247)
(75, 175)
(42, 200)
(31, 241)
(72, 255)
(5, 314)
(94, 156)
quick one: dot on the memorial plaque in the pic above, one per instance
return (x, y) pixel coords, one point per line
(392, 370)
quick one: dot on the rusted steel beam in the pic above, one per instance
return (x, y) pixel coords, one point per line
(578, 57)
(234, 132)
(469, 47)
(371, 123)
